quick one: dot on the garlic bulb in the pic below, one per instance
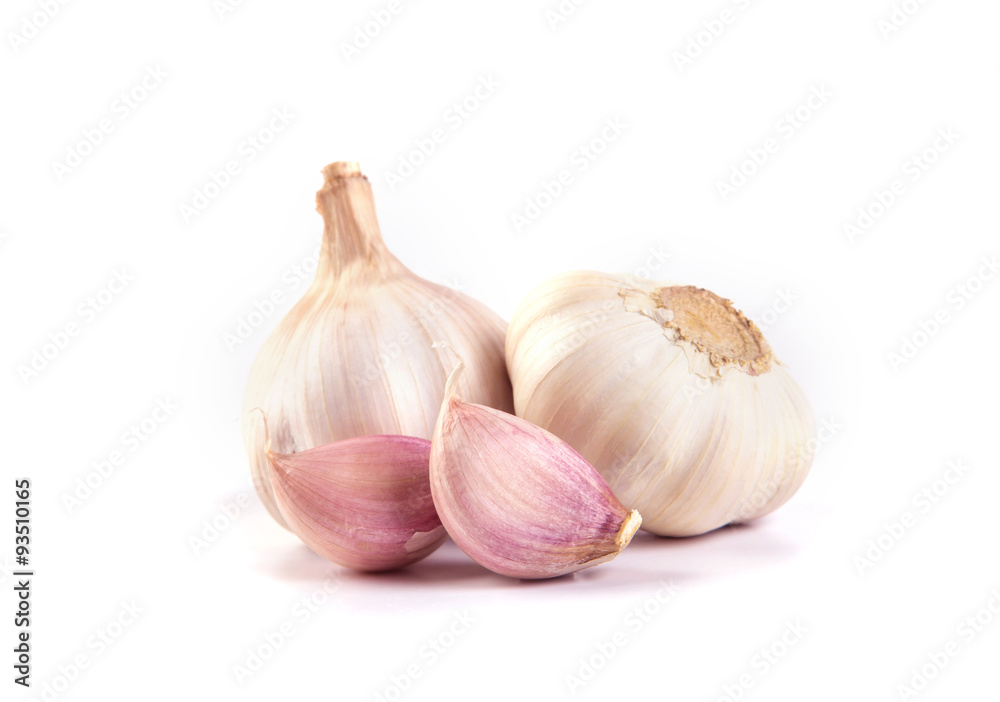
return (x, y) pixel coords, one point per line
(356, 356)
(517, 499)
(364, 503)
(670, 392)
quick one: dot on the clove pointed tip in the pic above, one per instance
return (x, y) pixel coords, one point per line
(267, 433)
(275, 464)
(451, 385)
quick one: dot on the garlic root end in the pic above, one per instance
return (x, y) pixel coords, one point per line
(631, 525)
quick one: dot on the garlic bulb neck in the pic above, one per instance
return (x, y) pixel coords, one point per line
(352, 239)
(715, 327)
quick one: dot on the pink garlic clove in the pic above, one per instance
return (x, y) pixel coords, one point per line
(364, 502)
(517, 499)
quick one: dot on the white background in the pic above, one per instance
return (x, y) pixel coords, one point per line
(650, 200)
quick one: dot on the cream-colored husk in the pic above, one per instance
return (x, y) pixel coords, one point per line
(369, 346)
(668, 391)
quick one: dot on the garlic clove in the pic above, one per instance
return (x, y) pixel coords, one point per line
(517, 499)
(355, 356)
(669, 391)
(363, 502)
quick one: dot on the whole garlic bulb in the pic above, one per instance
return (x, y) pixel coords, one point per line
(669, 391)
(356, 355)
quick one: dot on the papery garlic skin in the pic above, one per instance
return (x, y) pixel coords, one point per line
(355, 355)
(364, 503)
(671, 393)
(519, 500)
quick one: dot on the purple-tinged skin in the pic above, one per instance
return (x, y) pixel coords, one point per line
(519, 500)
(364, 502)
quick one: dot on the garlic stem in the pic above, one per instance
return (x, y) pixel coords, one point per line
(352, 239)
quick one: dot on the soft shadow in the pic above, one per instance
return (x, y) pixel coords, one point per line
(448, 564)
(648, 560)
(298, 565)
(724, 551)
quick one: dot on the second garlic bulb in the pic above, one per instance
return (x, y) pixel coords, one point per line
(669, 391)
